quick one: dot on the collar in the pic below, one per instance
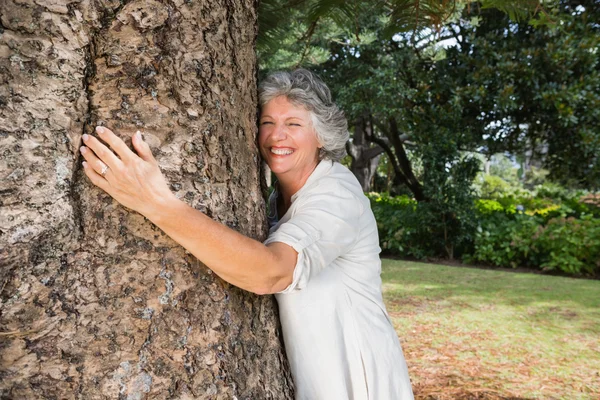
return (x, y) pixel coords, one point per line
(322, 169)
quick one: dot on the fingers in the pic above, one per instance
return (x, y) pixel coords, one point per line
(115, 143)
(142, 148)
(95, 177)
(93, 163)
(101, 151)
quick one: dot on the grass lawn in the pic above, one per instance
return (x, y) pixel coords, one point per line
(480, 334)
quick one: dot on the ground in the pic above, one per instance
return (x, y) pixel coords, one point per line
(481, 334)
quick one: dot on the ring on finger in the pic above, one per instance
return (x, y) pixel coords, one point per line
(104, 170)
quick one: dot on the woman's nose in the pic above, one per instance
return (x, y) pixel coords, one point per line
(279, 132)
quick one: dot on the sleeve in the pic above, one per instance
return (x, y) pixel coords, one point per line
(324, 227)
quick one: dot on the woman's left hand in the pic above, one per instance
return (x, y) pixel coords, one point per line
(134, 180)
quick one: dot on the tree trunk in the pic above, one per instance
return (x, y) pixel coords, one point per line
(411, 180)
(95, 301)
(403, 173)
(365, 157)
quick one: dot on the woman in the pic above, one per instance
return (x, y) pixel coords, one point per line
(321, 257)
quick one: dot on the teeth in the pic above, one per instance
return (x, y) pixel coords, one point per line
(281, 152)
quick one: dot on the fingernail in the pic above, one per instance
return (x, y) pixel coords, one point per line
(85, 137)
(99, 129)
(85, 165)
(139, 135)
(82, 149)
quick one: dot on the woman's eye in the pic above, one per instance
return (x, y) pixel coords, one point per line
(294, 124)
(266, 122)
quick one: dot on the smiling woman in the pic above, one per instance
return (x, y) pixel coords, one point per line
(288, 143)
(322, 253)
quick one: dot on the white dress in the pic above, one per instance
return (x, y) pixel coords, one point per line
(338, 336)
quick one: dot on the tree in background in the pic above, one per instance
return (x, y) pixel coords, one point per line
(535, 89)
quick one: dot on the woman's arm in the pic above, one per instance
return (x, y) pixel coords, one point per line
(137, 183)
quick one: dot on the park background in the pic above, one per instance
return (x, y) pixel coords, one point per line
(474, 132)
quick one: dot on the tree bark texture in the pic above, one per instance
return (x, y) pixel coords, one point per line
(95, 301)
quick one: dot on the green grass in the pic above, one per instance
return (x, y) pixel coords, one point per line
(483, 334)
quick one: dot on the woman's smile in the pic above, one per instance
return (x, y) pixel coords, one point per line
(287, 139)
(281, 151)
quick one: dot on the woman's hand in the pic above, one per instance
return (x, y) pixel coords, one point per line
(134, 180)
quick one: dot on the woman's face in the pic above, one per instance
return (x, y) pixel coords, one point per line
(286, 138)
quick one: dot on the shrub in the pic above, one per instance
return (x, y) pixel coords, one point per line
(396, 223)
(570, 245)
(545, 236)
(411, 229)
(564, 244)
(502, 240)
(489, 207)
(574, 206)
(493, 187)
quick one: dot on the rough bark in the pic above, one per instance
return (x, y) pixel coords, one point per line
(365, 156)
(95, 301)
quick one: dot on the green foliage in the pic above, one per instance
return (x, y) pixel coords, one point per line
(398, 225)
(295, 33)
(548, 201)
(411, 229)
(489, 186)
(504, 241)
(488, 207)
(533, 89)
(502, 166)
(547, 235)
(571, 245)
(287, 46)
(534, 177)
(568, 245)
(448, 212)
(556, 230)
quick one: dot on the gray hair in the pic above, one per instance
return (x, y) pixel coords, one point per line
(303, 88)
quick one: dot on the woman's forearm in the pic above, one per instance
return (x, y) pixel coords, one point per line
(135, 181)
(239, 260)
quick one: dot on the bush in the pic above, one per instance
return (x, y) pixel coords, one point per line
(548, 200)
(493, 187)
(411, 229)
(570, 245)
(545, 235)
(503, 241)
(564, 244)
(396, 223)
(547, 208)
(489, 207)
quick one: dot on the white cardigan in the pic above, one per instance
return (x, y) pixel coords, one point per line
(338, 336)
